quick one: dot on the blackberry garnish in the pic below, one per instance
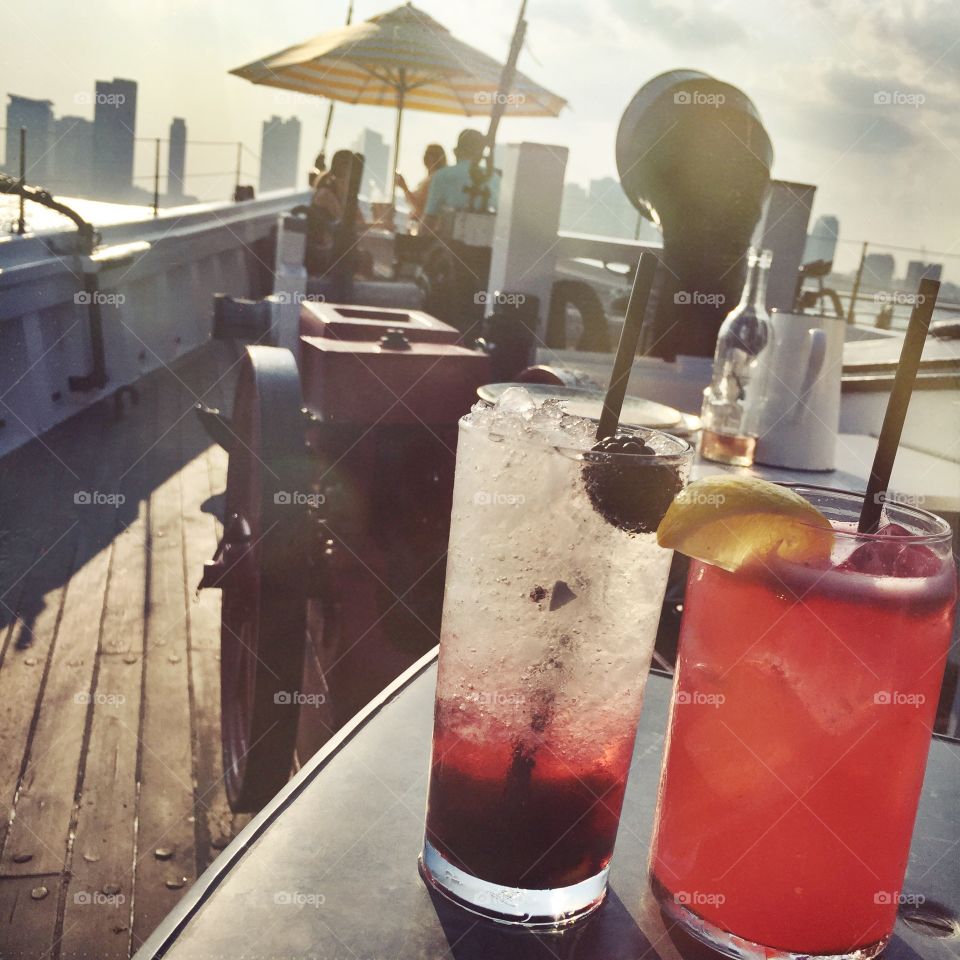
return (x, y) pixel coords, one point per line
(625, 487)
(622, 445)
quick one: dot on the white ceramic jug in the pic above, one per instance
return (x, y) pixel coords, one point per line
(798, 414)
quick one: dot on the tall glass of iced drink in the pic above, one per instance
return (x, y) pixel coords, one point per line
(554, 587)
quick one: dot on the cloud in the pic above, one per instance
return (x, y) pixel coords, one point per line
(853, 111)
(865, 91)
(921, 36)
(929, 31)
(682, 24)
(851, 130)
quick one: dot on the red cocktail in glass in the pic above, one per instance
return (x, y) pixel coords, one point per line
(803, 708)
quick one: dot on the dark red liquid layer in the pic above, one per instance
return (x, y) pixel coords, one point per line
(518, 814)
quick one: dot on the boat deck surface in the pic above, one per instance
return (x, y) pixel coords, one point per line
(110, 770)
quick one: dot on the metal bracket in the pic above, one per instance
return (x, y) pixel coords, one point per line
(229, 566)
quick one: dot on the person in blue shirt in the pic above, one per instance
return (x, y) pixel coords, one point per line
(450, 188)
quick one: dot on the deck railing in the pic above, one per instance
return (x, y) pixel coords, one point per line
(156, 279)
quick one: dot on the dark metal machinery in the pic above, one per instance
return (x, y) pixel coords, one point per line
(340, 481)
(337, 513)
(693, 156)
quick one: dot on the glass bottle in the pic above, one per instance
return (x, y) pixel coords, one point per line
(732, 400)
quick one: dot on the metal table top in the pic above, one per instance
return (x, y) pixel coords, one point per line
(328, 871)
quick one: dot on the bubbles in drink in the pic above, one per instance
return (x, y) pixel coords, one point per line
(550, 615)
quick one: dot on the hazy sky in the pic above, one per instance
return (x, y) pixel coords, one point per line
(890, 171)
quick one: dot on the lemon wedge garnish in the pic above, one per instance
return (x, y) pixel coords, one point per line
(729, 521)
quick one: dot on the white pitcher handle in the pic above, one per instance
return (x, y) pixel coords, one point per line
(818, 353)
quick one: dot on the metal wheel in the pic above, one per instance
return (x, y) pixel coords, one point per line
(263, 565)
(322, 648)
(576, 320)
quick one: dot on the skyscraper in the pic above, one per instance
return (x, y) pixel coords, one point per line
(917, 270)
(114, 129)
(573, 212)
(822, 240)
(176, 157)
(279, 153)
(878, 270)
(376, 164)
(36, 117)
(609, 212)
(72, 166)
(603, 209)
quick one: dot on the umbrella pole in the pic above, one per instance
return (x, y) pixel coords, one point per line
(326, 129)
(506, 83)
(401, 93)
(326, 134)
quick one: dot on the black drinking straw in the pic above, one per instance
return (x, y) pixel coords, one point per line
(897, 405)
(627, 348)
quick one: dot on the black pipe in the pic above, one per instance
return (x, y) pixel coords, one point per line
(96, 379)
(87, 238)
(21, 220)
(343, 253)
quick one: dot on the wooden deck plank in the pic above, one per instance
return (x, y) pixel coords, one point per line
(215, 825)
(45, 533)
(166, 789)
(36, 507)
(100, 893)
(97, 905)
(28, 917)
(25, 560)
(204, 480)
(82, 456)
(88, 499)
(221, 823)
(103, 774)
(24, 667)
(45, 799)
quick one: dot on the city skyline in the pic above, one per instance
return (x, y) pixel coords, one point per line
(856, 102)
(73, 156)
(279, 154)
(94, 158)
(598, 207)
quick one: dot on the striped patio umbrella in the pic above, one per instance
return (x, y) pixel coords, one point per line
(402, 59)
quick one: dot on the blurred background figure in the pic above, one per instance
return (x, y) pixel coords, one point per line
(434, 159)
(326, 210)
(318, 169)
(452, 188)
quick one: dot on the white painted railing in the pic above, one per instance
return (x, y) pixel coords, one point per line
(157, 278)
